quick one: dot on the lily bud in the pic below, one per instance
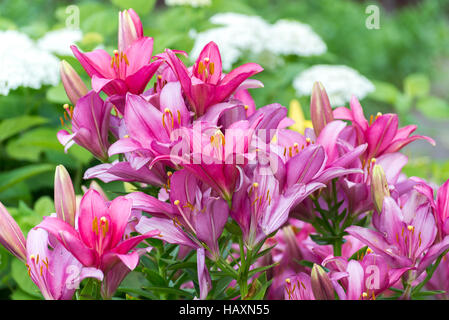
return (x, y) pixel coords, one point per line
(320, 108)
(11, 237)
(129, 30)
(379, 187)
(321, 284)
(73, 85)
(65, 201)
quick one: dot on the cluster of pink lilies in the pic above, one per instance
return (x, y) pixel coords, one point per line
(324, 214)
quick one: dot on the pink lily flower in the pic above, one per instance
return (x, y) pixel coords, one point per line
(382, 135)
(214, 157)
(405, 233)
(362, 279)
(129, 69)
(98, 241)
(193, 218)
(90, 126)
(261, 207)
(205, 85)
(299, 287)
(195, 215)
(310, 165)
(339, 152)
(440, 206)
(55, 271)
(292, 244)
(153, 128)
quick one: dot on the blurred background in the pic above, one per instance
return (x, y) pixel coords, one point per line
(393, 55)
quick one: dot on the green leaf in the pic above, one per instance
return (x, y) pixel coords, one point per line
(31, 144)
(10, 178)
(20, 275)
(433, 107)
(155, 278)
(428, 293)
(145, 294)
(220, 286)
(417, 85)
(19, 294)
(403, 103)
(44, 206)
(12, 126)
(90, 290)
(233, 228)
(359, 254)
(262, 269)
(174, 291)
(385, 92)
(104, 22)
(57, 94)
(142, 7)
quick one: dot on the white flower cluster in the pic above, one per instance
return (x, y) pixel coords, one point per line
(241, 33)
(340, 82)
(59, 41)
(192, 3)
(24, 64)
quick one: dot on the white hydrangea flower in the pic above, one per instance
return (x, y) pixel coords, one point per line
(240, 33)
(59, 41)
(192, 3)
(23, 64)
(340, 82)
(292, 37)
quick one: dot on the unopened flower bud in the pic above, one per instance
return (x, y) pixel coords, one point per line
(321, 284)
(379, 187)
(73, 85)
(11, 237)
(320, 108)
(130, 29)
(65, 201)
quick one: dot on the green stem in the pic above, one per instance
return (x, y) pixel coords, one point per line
(225, 267)
(337, 247)
(243, 275)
